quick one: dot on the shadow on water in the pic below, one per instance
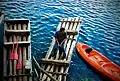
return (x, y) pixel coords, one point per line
(101, 75)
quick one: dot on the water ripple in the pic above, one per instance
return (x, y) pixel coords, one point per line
(100, 28)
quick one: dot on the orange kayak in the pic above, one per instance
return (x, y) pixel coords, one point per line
(99, 61)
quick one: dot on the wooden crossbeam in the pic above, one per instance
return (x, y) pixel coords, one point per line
(21, 42)
(17, 75)
(58, 73)
(55, 61)
(71, 32)
(43, 70)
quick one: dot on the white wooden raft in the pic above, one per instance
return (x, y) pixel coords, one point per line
(20, 29)
(57, 67)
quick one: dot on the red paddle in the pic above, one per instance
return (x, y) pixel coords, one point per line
(12, 52)
(19, 65)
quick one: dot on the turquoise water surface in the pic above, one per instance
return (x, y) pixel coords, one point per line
(100, 28)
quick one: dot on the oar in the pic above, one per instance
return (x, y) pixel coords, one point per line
(16, 54)
(19, 65)
(12, 52)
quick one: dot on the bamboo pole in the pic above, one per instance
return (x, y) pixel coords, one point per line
(15, 62)
(43, 70)
(20, 53)
(24, 53)
(10, 61)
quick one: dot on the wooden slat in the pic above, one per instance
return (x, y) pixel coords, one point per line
(52, 43)
(68, 24)
(22, 42)
(20, 54)
(58, 55)
(13, 28)
(55, 61)
(1, 18)
(24, 54)
(5, 61)
(17, 31)
(71, 32)
(72, 47)
(49, 52)
(57, 73)
(44, 70)
(15, 62)
(17, 75)
(10, 62)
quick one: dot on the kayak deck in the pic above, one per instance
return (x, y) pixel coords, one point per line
(100, 62)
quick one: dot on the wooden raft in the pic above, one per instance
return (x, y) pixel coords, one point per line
(17, 30)
(55, 66)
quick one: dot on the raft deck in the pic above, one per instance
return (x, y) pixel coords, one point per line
(56, 66)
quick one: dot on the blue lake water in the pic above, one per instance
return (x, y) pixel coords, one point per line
(100, 28)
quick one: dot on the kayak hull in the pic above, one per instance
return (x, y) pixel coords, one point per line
(99, 62)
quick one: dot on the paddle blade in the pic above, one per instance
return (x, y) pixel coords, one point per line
(12, 56)
(19, 65)
(15, 56)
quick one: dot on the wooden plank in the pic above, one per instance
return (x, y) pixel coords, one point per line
(66, 28)
(71, 32)
(24, 53)
(17, 31)
(72, 46)
(75, 37)
(58, 55)
(10, 62)
(50, 50)
(53, 42)
(24, 60)
(20, 53)
(30, 78)
(5, 61)
(69, 43)
(20, 42)
(43, 70)
(5, 27)
(1, 18)
(55, 61)
(58, 73)
(15, 62)
(20, 75)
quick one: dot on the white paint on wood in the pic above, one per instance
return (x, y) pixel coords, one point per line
(17, 31)
(68, 25)
(53, 42)
(22, 42)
